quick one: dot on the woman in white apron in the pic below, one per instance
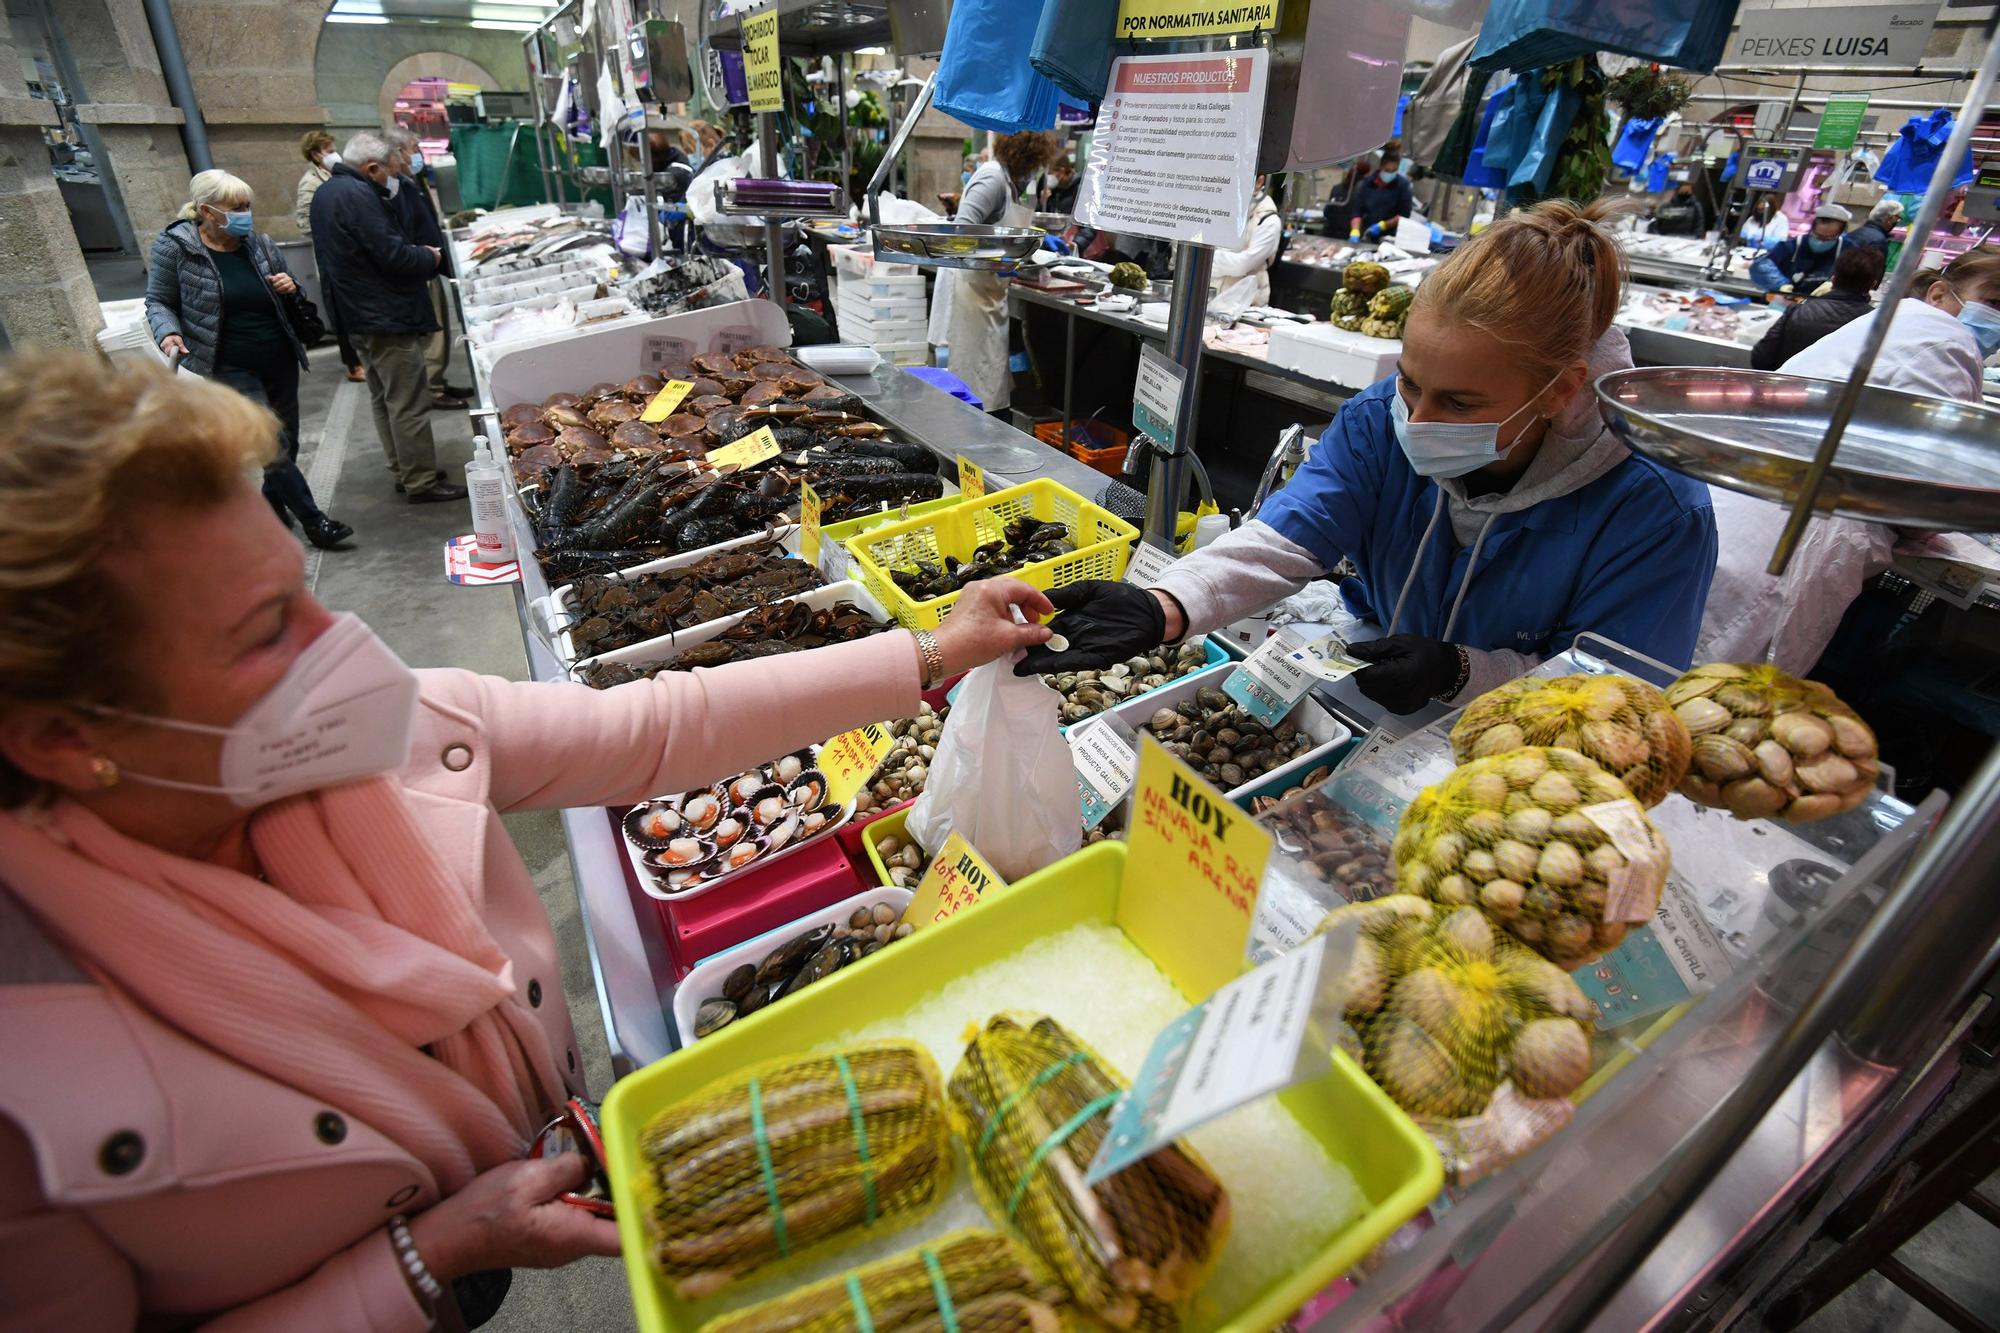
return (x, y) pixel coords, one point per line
(978, 320)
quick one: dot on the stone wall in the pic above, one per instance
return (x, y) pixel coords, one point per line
(45, 294)
(353, 60)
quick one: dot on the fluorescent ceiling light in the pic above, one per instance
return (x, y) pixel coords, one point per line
(505, 25)
(356, 18)
(870, 51)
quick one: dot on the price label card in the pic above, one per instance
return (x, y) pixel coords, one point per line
(666, 400)
(851, 758)
(1248, 1040)
(760, 61)
(1148, 562)
(1629, 892)
(808, 524)
(1272, 679)
(971, 478)
(957, 878)
(1201, 859)
(757, 447)
(1156, 396)
(1107, 763)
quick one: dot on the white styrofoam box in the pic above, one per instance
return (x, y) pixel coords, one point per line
(704, 980)
(1350, 360)
(870, 334)
(875, 307)
(905, 354)
(879, 288)
(858, 261)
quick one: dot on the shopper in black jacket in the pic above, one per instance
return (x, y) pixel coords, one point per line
(410, 199)
(1383, 196)
(1856, 273)
(1680, 213)
(213, 297)
(381, 284)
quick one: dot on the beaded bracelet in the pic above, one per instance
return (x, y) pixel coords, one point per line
(426, 1288)
(1464, 676)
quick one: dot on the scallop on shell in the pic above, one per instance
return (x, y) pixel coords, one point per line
(807, 789)
(652, 826)
(701, 811)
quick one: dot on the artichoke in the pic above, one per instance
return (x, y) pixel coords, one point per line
(1444, 1007)
(1391, 302)
(1623, 725)
(1549, 845)
(1364, 276)
(1129, 277)
(1769, 745)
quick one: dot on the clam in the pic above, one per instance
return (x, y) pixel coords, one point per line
(1774, 763)
(1702, 716)
(652, 826)
(1802, 733)
(714, 1015)
(738, 983)
(1720, 759)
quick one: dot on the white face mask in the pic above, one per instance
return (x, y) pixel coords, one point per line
(343, 711)
(1451, 448)
(329, 159)
(394, 184)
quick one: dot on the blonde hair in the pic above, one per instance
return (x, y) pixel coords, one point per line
(217, 189)
(71, 484)
(1975, 275)
(314, 142)
(1546, 281)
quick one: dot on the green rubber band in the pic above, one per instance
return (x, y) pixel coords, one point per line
(770, 1175)
(1013, 1099)
(941, 1292)
(862, 1319)
(1055, 1141)
(860, 1124)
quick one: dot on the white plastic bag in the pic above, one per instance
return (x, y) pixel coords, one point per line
(1003, 777)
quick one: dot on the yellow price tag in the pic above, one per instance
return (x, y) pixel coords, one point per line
(808, 523)
(1199, 858)
(754, 448)
(1157, 19)
(666, 400)
(760, 61)
(851, 758)
(971, 478)
(957, 878)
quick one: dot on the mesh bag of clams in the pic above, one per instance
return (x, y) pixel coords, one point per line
(975, 1281)
(1547, 843)
(1624, 725)
(1446, 1013)
(1033, 1104)
(764, 1167)
(1769, 745)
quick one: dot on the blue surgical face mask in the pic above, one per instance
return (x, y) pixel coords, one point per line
(1388, 174)
(1452, 448)
(238, 223)
(1819, 245)
(1983, 319)
(416, 162)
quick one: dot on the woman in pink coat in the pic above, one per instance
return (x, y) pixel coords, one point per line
(279, 1007)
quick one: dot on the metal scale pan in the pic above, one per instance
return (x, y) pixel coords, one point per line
(1905, 459)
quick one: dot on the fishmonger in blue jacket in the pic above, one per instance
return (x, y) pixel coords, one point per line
(1489, 514)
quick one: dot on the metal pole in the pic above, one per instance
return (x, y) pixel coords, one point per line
(652, 188)
(531, 52)
(1918, 910)
(1168, 477)
(1907, 265)
(774, 230)
(180, 86)
(846, 149)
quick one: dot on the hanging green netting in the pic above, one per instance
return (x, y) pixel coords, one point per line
(1442, 1008)
(1033, 1104)
(1621, 724)
(969, 1281)
(1769, 745)
(760, 1168)
(1543, 840)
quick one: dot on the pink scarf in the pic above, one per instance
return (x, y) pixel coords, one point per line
(330, 978)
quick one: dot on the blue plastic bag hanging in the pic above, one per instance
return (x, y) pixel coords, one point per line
(983, 75)
(1479, 173)
(1535, 163)
(1656, 174)
(1635, 140)
(1528, 34)
(1074, 46)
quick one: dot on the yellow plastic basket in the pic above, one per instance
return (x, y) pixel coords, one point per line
(1392, 1160)
(1103, 543)
(873, 831)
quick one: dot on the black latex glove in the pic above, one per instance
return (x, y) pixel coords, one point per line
(1406, 671)
(1105, 621)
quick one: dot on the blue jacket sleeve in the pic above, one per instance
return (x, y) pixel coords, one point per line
(1648, 591)
(1326, 505)
(163, 289)
(1767, 270)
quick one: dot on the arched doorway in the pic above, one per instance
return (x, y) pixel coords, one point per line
(419, 91)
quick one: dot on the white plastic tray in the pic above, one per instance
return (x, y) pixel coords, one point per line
(705, 980)
(670, 645)
(1327, 731)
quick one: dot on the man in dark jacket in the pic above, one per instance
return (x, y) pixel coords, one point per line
(1884, 218)
(1798, 264)
(1857, 273)
(410, 200)
(1383, 196)
(380, 282)
(1680, 213)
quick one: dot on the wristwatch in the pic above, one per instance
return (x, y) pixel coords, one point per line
(927, 646)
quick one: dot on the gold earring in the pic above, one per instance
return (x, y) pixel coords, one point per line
(103, 771)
